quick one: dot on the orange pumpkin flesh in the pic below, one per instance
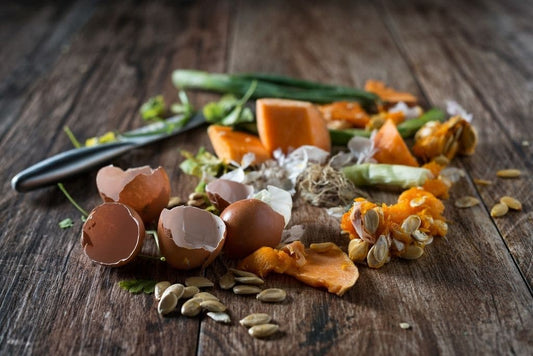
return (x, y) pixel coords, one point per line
(331, 269)
(388, 94)
(391, 147)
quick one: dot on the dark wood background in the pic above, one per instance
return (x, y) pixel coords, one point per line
(90, 65)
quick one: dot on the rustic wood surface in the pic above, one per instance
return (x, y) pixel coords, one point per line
(90, 65)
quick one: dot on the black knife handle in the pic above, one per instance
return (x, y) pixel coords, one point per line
(67, 164)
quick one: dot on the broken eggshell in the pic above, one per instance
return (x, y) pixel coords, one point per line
(113, 234)
(223, 192)
(144, 189)
(251, 224)
(190, 237)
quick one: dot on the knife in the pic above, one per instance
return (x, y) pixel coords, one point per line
(69, 163)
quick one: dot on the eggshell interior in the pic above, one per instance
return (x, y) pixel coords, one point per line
(223, 192)
(113, 234)
(190, 237)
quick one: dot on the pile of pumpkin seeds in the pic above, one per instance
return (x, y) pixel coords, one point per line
(196, 301)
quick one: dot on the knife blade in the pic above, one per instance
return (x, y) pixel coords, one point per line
(78, 160)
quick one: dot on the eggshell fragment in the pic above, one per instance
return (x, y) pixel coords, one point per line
(113, 234)
(144, 189)
(223, 192)
(251, 224)
(190, 237)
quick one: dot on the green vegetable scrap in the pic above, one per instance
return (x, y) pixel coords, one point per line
(271, 86)
(229, 110)
(184, 107)
(203, 164)
(392, 175)
(66, 223)
(137, 286)
(154, 109)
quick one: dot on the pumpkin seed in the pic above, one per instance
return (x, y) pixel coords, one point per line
(371, 221)
(377, 255)
(381, 248)
(411, 224)
(482, 182)
(322, 247)
(256, 281)
(358, 249)
(255, 319)
(468, 140)
(205, 296)
(176, 289)
(412, 252)
(371, 259)
(160, 289)
(466, 202)
(213, 306)
(398, 245)
(458, 132)
(499, 210)
(416, 202)
(227, 281)
(191, 308)
(405, 326)
(441, 226)
(448, 144)
(196, 196)
(242, 273)
(263, 330)
(219, 317)
(167, 303)
(190, 291)
(421, 236)
(272, 295)
(200, 282)
(174, 202)
(508, 173)
(441, 160)
(511, 202)
(246, 289)
(197, 203)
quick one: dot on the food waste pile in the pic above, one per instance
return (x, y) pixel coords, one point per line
(275, 140)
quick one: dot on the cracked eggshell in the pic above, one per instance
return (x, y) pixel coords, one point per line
(251, 224)
(113, 234)
(223, 192)
(190, 237)
(144, 189)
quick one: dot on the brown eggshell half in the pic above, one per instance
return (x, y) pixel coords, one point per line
(144, 189)
(190, 237)
(113, 234)
(223, 192)
(251, 224)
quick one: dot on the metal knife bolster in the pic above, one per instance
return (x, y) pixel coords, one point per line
(69, 163)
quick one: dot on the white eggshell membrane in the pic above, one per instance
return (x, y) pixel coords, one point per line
(194, 228)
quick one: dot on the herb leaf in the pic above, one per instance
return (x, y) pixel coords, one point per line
(66, 223)
(154, 108)
(202, 164)
(137, 286)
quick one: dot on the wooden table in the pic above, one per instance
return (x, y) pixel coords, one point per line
(90, 65)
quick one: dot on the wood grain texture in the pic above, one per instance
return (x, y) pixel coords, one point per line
(469, 294)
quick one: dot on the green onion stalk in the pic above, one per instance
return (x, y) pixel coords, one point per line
(270, 86)
(391, 175)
